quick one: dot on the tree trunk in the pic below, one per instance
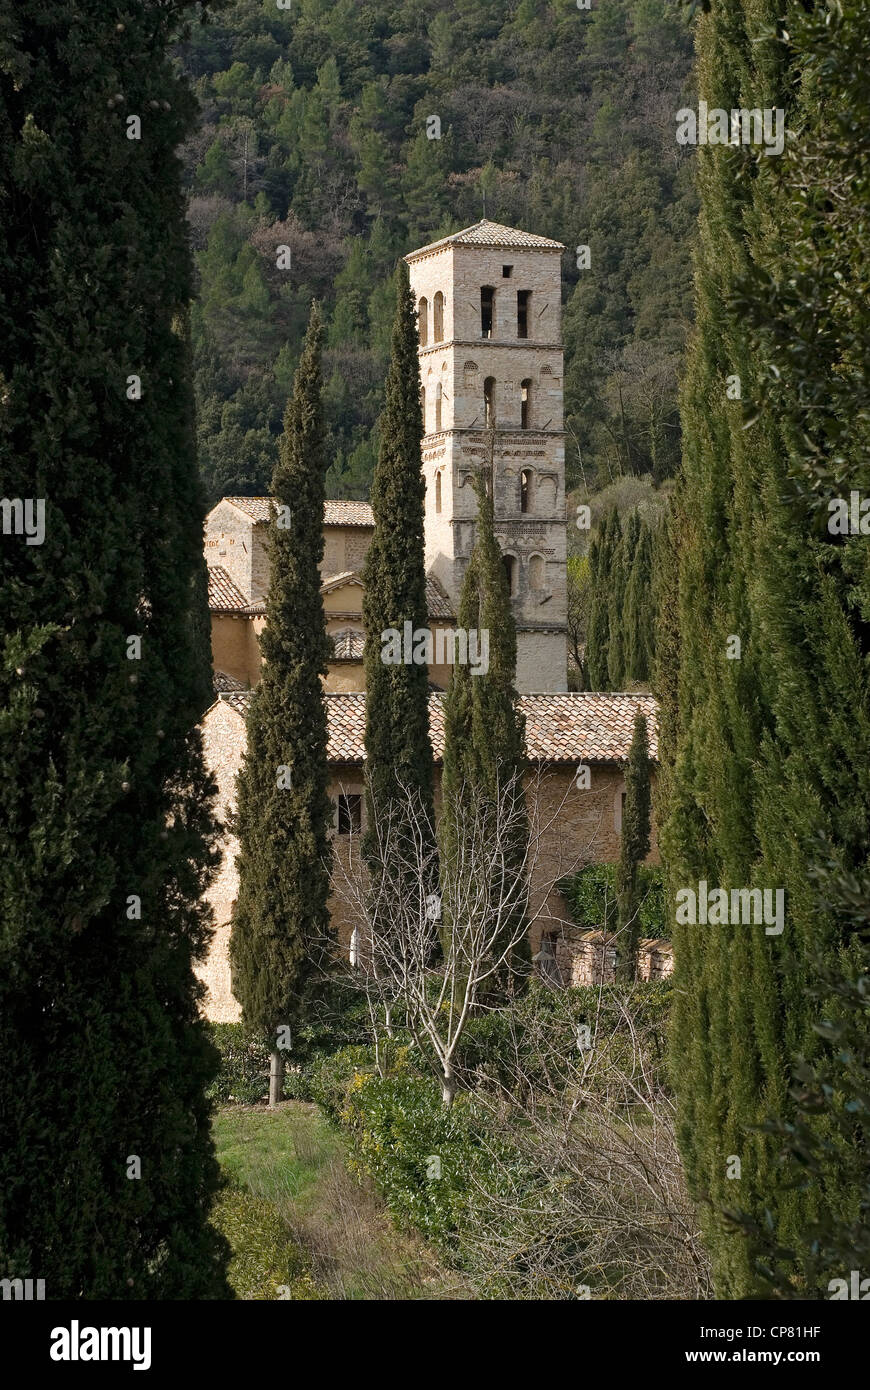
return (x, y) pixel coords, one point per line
(276, 1078)
(448, 1086)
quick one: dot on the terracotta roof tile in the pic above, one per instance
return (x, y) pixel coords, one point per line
(223, 683)
(223, 595)
(334, 513)
(596, 728)
(337, 581)
(486, 233)
(348, 645)
(438, 604)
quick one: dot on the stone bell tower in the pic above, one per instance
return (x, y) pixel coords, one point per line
(489, 308)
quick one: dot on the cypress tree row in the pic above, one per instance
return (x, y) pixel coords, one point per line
(398, 750)
(633, 848)
(769, 745)
(106, 831)
(281, 922)
(484, 745)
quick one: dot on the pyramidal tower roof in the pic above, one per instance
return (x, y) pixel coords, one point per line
(485, 233)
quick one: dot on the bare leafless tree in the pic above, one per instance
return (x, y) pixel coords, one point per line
(590, 1197)
(439, 975)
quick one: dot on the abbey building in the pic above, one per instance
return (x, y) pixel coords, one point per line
(489, 305)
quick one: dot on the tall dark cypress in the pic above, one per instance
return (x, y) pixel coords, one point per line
(106, 830)
(639, 619)
(484, 741)
(602, 554)
(398, 750)
(633, 848)
(281, 922)
(617, 594)
(770, 740)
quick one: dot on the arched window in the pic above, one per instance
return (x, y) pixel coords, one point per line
(548, 965)
(487, 310)
(423, 321)
(437, 492)
(489, 401)
(525, 404)
(536, 573)
(438, 395)
(438, 325)
(525, 490)
(510, 569)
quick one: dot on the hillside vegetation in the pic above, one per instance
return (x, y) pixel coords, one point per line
(314, 136)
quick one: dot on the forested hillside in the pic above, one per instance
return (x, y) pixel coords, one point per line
(314, 136)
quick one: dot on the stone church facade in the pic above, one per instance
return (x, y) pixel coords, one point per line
(488, 305)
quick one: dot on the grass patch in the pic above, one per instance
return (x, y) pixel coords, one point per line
(340, 1241)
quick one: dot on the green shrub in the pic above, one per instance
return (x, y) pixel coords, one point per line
(264, 1258)
(422, 1156)
(244, 1071)
(591, 898)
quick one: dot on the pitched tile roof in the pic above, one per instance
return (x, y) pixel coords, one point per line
(337, 581)
(223, 594)
(438, 605)
(486, 233)
(223, 683)
(348, 645)
(334, 513)
(560, 728)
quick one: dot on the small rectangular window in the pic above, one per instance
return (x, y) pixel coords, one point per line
(506, 271)
(349, 814)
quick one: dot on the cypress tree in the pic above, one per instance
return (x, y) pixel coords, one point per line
(639, 619)
(633, 848)
(484, 740)
(398, 750)
(106, 823)
(598, 638)
(770, 742)
(617, 593)
(281, 922)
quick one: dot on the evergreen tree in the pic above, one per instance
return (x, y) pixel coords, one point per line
(639, 613)
(281, 922)
(484, 741)
(601, 563)
(770, 741)
(107, 836)
(633, 848)
(398, 749)
(617, 591)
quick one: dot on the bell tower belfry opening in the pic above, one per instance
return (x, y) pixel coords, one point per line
(494, 362)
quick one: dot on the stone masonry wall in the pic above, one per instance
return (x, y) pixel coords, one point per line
(571, 828)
